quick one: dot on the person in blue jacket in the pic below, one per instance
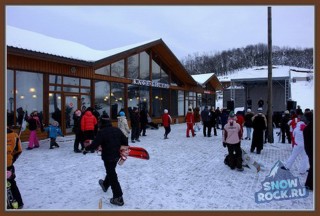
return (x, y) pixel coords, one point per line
(54, 130)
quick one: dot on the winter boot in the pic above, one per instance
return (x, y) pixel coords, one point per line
(117, 201)
(102, 186)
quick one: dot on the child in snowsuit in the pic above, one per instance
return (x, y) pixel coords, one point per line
(14, 150)
(34, 123)
(123, 124)
(53, 131)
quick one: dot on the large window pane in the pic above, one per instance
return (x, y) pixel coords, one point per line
(55, 79)
(164, 77)
(157, 107)
(174, 103)
(117, 69)
(10, 98)
(133, 96)
(85, 102)
(181, 103)
(133, 67)
(144, 66)
(55, 107)
(144, 98)
(103, 71)
(30, 91)
(85, 82)
(102, 96)
(155, 71)
(117, 99)
(71, 81)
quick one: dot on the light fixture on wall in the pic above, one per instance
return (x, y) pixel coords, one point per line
(32, 90)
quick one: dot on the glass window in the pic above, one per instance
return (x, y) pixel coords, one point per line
(54, 88)
(116, 99)
(174, 103)
(85, 90)
(55, 107)
(133, 96)
(144, 92)
(144, 66)
(157, 99)
(55, 79)
(117, 69)
(10, 98)
(71, 81)
(85, 82)
(133, 67)
(29, 93)
(103, 71)
(181, 103)
(155, 71)
(102, 96)
(69, 89)
(85, 102)
(165, 93)
(199, 100)
(164, 77)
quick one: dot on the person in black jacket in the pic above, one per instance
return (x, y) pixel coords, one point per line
(308, 146)
(143, 121)
(110, 139)
(77, 131)
(259, 124)
(285, 128)
(135, 121)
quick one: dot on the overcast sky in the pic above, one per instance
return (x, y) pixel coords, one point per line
(185, 29)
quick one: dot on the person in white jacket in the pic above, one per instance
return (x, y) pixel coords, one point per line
(123, 124)
(298, 149)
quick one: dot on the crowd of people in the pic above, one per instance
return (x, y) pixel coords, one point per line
(92, 133)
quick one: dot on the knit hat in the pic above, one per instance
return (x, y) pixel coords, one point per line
(248, 110)
(55, 123)
(121, 113)
(260, 109)
(286, 112)
(165, 111)
(231, 114)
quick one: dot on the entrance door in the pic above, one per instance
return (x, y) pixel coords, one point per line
(71, 104)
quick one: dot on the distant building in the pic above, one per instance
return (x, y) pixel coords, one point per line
(253, 83)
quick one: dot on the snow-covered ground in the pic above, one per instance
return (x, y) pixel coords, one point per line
(182, 174)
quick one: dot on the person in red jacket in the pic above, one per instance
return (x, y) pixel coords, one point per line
(88, 123)
(240, 121)
(166, 121)
(190, 122)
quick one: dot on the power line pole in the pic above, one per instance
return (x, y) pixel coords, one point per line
(270, 112)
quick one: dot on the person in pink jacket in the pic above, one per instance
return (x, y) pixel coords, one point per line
(88, 123)
(231, 138)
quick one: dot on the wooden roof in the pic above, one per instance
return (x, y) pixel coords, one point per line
(157, 48)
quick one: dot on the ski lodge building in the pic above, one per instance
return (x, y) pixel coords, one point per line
(56, 77)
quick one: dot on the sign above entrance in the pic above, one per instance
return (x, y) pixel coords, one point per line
(150, 83)
(207, 92)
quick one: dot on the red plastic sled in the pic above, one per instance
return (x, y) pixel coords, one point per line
(138, 152)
